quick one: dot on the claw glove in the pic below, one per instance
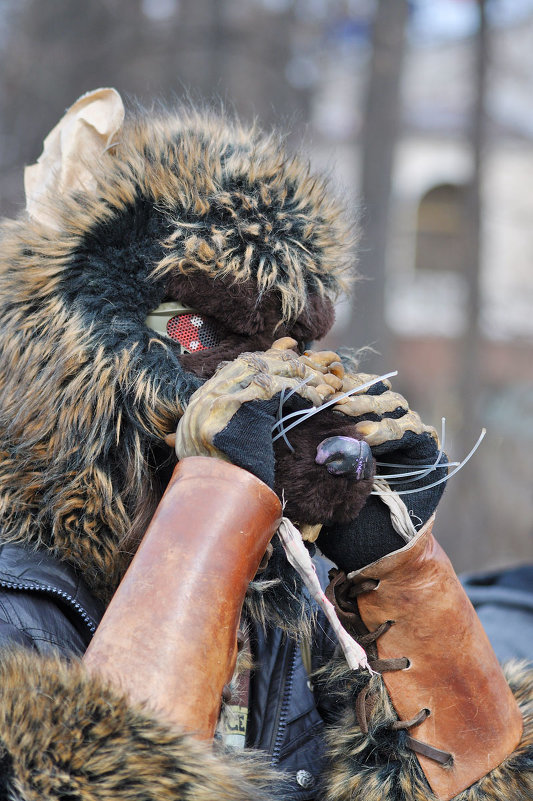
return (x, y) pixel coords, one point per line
(232, 414)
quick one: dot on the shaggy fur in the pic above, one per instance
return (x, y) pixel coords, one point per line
(378, 767)
(189, 206)
(194, 208)
(76, 738)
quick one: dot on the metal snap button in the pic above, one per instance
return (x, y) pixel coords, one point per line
(305, 779)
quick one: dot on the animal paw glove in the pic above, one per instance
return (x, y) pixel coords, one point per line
(231, 416)
(408, 457)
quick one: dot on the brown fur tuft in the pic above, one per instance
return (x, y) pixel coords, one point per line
(112, 751)
(87, 392)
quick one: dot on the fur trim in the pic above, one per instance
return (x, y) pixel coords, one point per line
(275, 597)
(87, 392)
(65, 734)
(378, 766)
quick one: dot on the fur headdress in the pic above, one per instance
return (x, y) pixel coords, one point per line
(121, 216)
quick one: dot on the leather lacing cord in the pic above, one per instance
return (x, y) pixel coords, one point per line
(363, 701)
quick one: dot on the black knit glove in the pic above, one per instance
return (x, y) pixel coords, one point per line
(247, 438)
(401, 444)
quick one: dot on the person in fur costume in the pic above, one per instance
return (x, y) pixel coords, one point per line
(159, 300)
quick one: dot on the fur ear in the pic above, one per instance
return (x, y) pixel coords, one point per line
(79, 138)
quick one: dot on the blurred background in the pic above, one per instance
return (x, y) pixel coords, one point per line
(422, 112)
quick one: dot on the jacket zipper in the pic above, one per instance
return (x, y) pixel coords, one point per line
(8, 585)
(282, 711)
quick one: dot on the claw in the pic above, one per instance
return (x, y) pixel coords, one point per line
(344, 456)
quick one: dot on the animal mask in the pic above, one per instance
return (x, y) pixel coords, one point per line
(124, 214)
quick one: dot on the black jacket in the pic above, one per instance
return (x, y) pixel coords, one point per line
(45, 604)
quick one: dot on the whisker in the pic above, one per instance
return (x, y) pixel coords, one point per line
(420, 473)
(288, 444)
(316, 410)
(434, 466)
(295, 389)
(446, 478)
(282, 399)
(280, 409)
(407, 466)
(299, 413)
(281, 402)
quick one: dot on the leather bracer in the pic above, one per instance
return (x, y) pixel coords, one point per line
(168, 637)
(441, 674)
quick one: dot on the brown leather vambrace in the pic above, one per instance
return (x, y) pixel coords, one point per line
(169, 636)
(438, 666)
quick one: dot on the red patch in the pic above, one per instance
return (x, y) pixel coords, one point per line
(193, 332)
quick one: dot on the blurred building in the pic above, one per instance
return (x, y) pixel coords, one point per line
(488, 513)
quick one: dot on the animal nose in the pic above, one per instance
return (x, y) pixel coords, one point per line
(345, 456)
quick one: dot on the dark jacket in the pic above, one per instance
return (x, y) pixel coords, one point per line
(45, 604)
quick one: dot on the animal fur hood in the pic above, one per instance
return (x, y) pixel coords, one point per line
(191, 207)
(176, 204)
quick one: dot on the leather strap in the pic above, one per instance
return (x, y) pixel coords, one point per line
(452, 671)
(168, 637)
(423, 749)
